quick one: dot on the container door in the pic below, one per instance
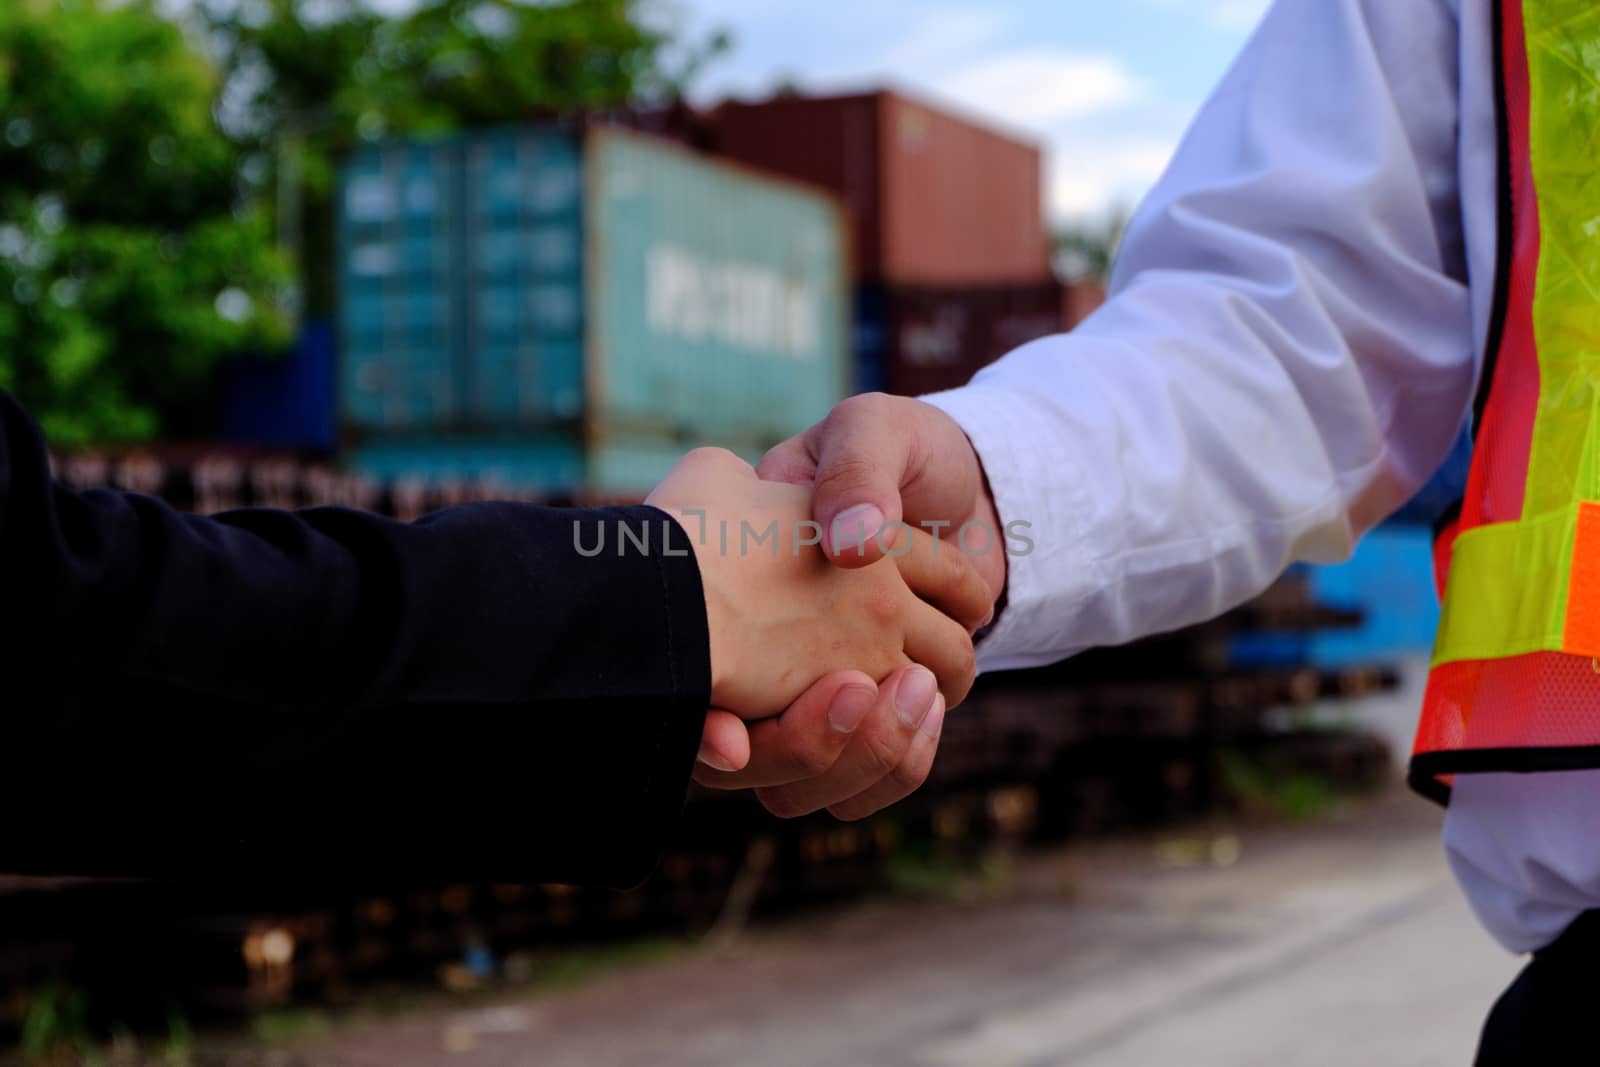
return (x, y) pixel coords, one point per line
(397, 270)
(524, 251)
(717, 298)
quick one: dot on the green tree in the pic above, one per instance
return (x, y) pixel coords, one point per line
(308, 81)
(1087, 248)
(128, 262)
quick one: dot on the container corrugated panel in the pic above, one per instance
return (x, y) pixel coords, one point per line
(927, 339)
(286, 401)
(550, 465)
(623, 468)
(630, 468)
(830, 142)
(523, 231)
(717, 304)
(934, 198)
(962, 203)
(1084, 298)
(870, 338)
(400, 280)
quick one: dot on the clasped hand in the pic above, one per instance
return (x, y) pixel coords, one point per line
(866, 660)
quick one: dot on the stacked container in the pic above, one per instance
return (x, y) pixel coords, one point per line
(556, 309)
(951, 258)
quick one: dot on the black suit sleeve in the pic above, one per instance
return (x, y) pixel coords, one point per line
(332, 694)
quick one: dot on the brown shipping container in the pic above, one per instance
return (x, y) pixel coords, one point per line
(935, 199)
(1084, 299)
(928, 339)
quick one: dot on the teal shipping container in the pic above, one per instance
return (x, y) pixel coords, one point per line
(597, 287)
(540, 466)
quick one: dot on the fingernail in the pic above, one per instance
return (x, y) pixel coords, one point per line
(935, 720)
(711, 758)
(914, 699)
(853, 527)
(849, 707)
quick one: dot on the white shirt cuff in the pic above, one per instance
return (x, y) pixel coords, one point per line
(1041, 497)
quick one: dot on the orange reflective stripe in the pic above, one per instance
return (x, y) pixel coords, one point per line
(1582, 634)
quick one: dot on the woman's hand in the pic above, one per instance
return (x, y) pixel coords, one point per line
(781, 616)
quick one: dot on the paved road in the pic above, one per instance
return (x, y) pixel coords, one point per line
(1339, 943)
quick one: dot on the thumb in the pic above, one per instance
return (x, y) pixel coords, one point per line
(862, 462)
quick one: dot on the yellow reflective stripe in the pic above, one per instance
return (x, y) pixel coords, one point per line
(1508, 588)
(1506, 593)
(1564, 150)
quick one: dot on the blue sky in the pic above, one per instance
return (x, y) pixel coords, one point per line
(1106, 87)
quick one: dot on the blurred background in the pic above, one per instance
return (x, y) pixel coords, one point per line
(402, 254)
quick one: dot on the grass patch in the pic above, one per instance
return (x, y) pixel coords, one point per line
(1260, 785)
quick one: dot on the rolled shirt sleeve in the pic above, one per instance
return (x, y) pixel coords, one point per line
(1286, 353)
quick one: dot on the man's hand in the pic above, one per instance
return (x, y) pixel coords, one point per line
(779, 615)
(879, 459)
(846, 745)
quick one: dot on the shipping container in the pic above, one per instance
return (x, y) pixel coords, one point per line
(716, 300)
(934, 199)
(401, 286)
(1084, 298)
(1439, 495)
(553, 467)
(283, 401)
(1389, 580)
(913, 340)
(592, 284)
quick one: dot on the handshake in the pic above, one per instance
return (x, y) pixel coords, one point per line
(835, 650)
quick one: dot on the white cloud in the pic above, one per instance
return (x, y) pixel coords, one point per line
(1041, 86)
(1089, 175)
(945, 35)
(1237, 14)
(1107, 132)
(1223, 14)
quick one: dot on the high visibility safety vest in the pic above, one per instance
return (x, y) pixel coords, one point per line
(1515, 680)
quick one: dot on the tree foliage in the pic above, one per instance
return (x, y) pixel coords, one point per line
(129, 263)
(164, 180)
(311, 79)
(1086, 249)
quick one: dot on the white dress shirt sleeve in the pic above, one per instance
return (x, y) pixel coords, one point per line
(1285, 356)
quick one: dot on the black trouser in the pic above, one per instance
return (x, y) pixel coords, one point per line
(1550, 1013)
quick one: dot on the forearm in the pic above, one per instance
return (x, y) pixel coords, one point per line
(179, 684)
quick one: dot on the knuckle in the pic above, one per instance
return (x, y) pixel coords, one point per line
(967, 579)
(716, 461)
(814, 762)
(851, 811)
(781, 803)
(851, 409)
(911, 774)
(782, 460)
(776, 802)
(711, 779)
(957, 688)
(880, 603)
(845, 472)
(881, 754)
(707, 454)
(967, 665)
